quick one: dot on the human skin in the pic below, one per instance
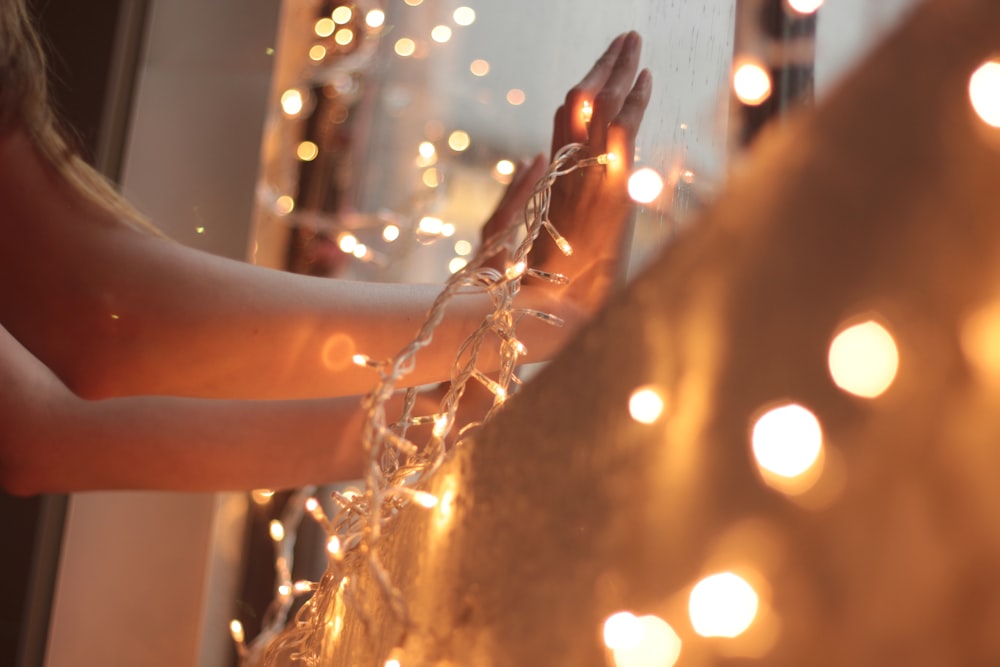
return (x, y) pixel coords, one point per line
(131, 361)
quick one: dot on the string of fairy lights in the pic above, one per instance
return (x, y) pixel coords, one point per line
(786, 440)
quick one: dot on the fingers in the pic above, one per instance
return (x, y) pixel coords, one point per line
(515, 196)
(623, 129)
(609, 100)
(574, 120)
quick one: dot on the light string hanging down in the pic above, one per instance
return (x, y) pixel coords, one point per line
(397, 465)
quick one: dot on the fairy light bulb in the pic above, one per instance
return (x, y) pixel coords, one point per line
(276, 530)
(441, 34)
(424, 499)
(307, 151)
(375, 18)
(262, 496)
(464, 16)
(284, 590)
(722, 605)
(864, 359)
(645, 405)
(587, 111)
(334, 546)
(342, 15)
(440, 425)
(658, 645)
(787, 441)
(347, 242)
(302, 586)
(311, 504)
(805, 7)
(559, 239)
(360, 360)
(292, 102)
(430, 225)
(236, 630)
(622, 630)
(645, 185)
(479, 67)
(752, 84)
(984, 92)
(397, 654)
(324, 27)
(390, 233)
(515, 271)
(459, 141)
(405, 47)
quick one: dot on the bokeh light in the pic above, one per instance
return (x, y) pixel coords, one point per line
(645, 185)
(375, 18)
(984, 92)
(658, 646)
(463, 248)
(457, 264)
(505, 167)
(864, 359)
(479, 67)
(307, 151)
(622, 630)
(787, 440)
(284, 205)
(342, 15)
(458, 140)
(464, 16)
(347, 242)
(752, 84)
(431, 177)
(324, 27)
(979, 335)
(645, 405)
(292, 102)
(805, 6)
(722, 605)
(317, 52)
(390, 233)
(515, 97)
(344, 36)
(441, 34)
(405, 47)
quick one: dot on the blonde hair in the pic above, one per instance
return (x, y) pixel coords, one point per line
(24, 104)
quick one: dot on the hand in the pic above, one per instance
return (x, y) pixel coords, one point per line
(511, 206)
(590, 207)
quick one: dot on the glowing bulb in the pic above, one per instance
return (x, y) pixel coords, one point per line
(307, 151)
(236, 630)
(979, 334)
(645, 405)
(464, 16)
(722, 605)
(344, 36)
(284, 205)
(515, 97)
(262, 496)
(361, 360)
(325, 27)
(587, 111)
(284, 590)
(431, 178)
(984, 92)
(430, 225)
(424, 499)
(390, 233)
(375, 18)
(479, 67)
(658, 646)
(505, 167)
(277, 530)
(360, 251)
(342, 15)
(347, 242)
(317, 52)
(405, 47)
(333, 546)
(560, 240)
(645, 185)
(622, 630)
(863, 360)
(515, 271)
(440, 425)
(292, 102)
(302, 586)
(752, 84)
(787, 440)
(426, 149)
(312, 505)
(441, 34)
(463, 248)
(447, 230)
(457, 264)
(413, 3)
(805, 6)
(458, 140)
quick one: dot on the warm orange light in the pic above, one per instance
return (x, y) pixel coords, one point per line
(979, 335)
(276, 530)
(752, 84)
(479, 67)
(463, 248)
(262, 496)
(441, 34)
(457, 264)
(360, 251)
(430, 225)
(805, 6)
(342, 15)
(722, 605)
(344, 36)
(587, 111)
(317, 52)
(338, 352)
(431, 178)
(292, 102)
(464, 16)
(236, 630)
(347, 242)
(375, 18)
(307, 151)
(505, 167)
(413, 3)
(622, 630)
(787, 440)
(658, 646)
(984, 92)
(863, 359)
(284, 205)
(645, 185)
(426, 149)
(390, 233)
(405, 47)
(646, 405)
(458, 140)
(325, 27)
(515, 97)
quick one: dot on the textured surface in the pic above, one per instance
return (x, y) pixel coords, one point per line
(884, 201)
